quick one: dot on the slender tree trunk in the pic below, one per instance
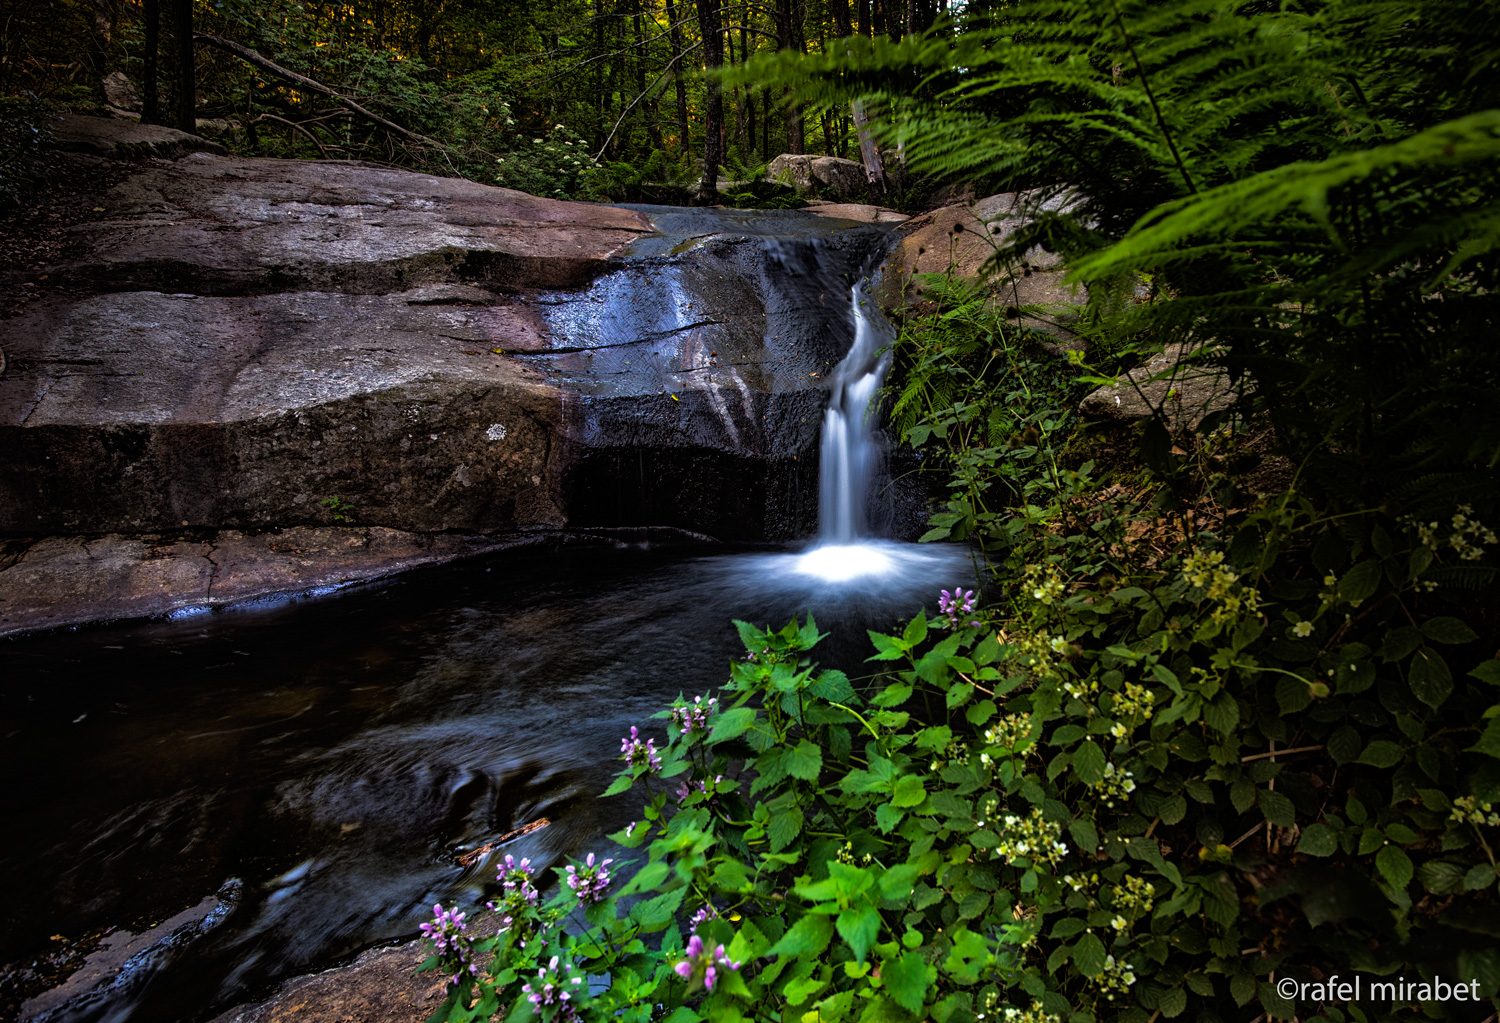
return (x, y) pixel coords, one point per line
(600, 103)
(874, 169)
(788, 37)
(150, 87)
(102, 24)
(187, 80)
(747, 127)
(648, 106)
(864, 18)
(765, 127)
(674, 35)
(713, 59)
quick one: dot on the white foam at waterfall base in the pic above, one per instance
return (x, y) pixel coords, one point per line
(841, 562)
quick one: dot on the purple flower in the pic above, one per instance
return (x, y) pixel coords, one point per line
(694, 716)
(703, 965)
(516, 877)
(708, 912)
(959, 602)
(637, 753)
(446, 932)
(551, 993)
(589, 883)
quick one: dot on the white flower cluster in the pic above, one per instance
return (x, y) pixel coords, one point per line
(1469, 810)
(1136, 896)
(1205, 570)
(1464, 534)
(1032, 838)
(1134, 704)
(1012, 734)
(1115, 979)
(1043, 584)
(1117, 783)
(1035, 1014)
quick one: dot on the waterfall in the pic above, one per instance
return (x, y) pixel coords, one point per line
(850, 459)
(850, 445)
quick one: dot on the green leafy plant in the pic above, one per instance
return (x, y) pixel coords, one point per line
(340, 509)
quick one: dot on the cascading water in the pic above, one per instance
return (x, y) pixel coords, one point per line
(851, 455)
(851, 445)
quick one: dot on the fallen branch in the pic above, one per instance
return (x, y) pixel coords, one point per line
(473, 856)
(302, 81)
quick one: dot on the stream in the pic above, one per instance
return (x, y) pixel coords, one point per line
(307, 769)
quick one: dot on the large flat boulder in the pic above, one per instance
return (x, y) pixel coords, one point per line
(125, 139)
(828, 175)
(242, 343)
(69, 580)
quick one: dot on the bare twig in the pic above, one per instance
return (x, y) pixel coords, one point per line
(299, 127)
(644, 93)
(1279, 753)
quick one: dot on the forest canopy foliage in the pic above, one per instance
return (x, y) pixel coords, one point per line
(570, 97)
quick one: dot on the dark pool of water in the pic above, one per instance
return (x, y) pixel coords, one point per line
(332, 752)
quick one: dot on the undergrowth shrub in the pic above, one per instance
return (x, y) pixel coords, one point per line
(1105, 794)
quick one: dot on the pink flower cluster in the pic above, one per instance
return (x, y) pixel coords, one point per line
(553, 988)
(446, 932)
(694, 716)
(590, 883)
(701, 964)
(637, 753)
(957, 603)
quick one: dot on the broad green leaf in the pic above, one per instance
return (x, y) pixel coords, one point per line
(1277, 808)
(1394, 865)
(1488, 671)
(916, 630)
(1448, 630)
(1441, 878)
(731, 724)
(1429, 677)
(909, 791)
(907, 979)
(1381, 753)
(806, 938)
(1489, 739)
(859, 927)
(1088, 763)
(1318, 840)
(1361, 582)
(785, 826)
(805, 761)
(1088, 954)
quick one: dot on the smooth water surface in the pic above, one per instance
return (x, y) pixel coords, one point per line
(334, 754)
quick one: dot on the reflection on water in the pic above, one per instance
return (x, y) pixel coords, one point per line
(335, 753)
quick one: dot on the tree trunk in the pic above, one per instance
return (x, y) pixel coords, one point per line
(874, 169)
(864, 18)
(102, 24)
(150, 87)
(674, 34)
(187, 79)
(713, 59)
(648, 107)
(788, 36)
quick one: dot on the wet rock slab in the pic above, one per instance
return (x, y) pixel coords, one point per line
(243, 341)
(381, 986)
(60, 581)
